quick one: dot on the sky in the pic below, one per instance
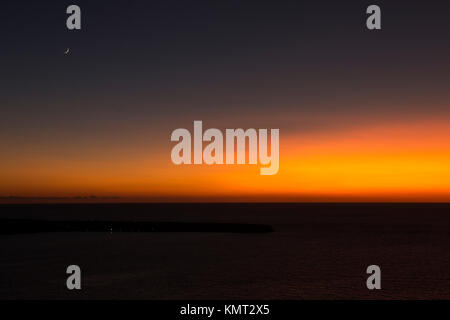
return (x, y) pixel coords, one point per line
(363, 115)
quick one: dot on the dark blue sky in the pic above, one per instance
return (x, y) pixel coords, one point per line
(151, 62)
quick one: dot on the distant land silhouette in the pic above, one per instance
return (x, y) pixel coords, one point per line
(58, 198)
(17, 226)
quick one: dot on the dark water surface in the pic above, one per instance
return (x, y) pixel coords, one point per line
(318, 251)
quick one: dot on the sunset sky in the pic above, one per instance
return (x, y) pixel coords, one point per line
(363, 115)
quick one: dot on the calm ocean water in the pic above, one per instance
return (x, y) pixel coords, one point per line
(316, 252)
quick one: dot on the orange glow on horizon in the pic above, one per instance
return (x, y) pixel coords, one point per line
(383, 162)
